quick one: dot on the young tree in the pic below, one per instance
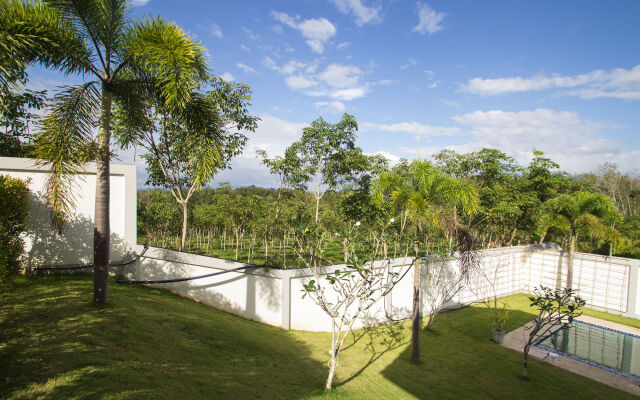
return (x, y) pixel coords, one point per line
(581, 213)
(555, 308)
(343, 295)
(323, 154)
(188, 147)
(122, 58)
(287, 169)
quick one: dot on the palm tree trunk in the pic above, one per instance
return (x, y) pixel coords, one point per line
(101, 229)
(415, 315)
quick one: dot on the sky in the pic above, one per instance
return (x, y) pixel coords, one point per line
(419, 77)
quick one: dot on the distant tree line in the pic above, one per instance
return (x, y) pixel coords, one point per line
(328, 182)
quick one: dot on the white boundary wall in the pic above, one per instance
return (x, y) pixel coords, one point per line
(75, 246)
(275, 296)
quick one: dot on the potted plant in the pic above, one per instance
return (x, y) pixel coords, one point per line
(499, 318)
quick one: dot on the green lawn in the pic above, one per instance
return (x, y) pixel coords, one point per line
(148, 343)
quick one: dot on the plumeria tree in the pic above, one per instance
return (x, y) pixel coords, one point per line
(345, 294)
(120, 59)
(556, 307)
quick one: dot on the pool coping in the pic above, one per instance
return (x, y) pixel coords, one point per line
(516, 339)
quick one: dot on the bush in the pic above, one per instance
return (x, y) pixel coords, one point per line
(13, 221)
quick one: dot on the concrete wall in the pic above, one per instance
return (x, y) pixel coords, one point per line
(275, 296)
(75, 246)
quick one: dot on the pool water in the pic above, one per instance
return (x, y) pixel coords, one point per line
(608, 349)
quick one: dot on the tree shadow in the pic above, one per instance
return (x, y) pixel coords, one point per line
(146, 343)
(45, 246)
(380, 339)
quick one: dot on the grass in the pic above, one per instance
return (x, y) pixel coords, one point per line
(150, 344)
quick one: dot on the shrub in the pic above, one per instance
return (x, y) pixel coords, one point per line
(13, 221)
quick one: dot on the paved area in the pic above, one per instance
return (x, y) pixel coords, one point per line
(515, 340)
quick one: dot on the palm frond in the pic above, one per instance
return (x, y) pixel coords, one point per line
(63, 137)
(174, 59)
(34, 32)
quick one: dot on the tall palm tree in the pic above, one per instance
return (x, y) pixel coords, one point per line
(120, 59)
(428, 196)
(576, 214)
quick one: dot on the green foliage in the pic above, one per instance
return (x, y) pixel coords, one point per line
(499, 315)
(16, 120)
(14, 196)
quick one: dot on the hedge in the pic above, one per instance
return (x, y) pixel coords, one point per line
(13, 222)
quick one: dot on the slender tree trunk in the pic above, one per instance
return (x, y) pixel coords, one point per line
(572, 253)
(332, 371)
(525, 361)
(317, 208)
(184, 226)
(415, 315)
(101, 229)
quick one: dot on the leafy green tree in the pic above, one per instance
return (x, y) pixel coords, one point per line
(16, 120)
(121, 59)
(323, 155)
(158, 216)
(577, 214)
(186, 148)
(287, 169)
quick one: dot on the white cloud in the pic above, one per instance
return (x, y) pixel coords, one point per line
(250, 33)
(247, 69)
(215, 30)
(333, 106)
(451, 103)
(227, 76)
(362, 13)
(617, 83)
(139, 3)
(429, 20)
(576, 144)
(414, 128)
(337, 81)
(245, 48)
(349, 94)
(343, 45)
(341, 76)
(316, 31)
(297, 82)
(410, 63)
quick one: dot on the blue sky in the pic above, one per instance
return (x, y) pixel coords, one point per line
(563, 77)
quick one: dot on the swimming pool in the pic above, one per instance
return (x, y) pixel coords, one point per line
(605, 348)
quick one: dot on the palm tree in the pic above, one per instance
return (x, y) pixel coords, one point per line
(576, 214)
(120, 59)
(428, 196)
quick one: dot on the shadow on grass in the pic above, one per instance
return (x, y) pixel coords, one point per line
(459, 360)
(380, 339)
(146, 343)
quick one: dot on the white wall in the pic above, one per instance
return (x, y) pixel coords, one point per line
(275, 296)
(75, 246)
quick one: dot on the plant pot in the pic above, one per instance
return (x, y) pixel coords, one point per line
(498, 335)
